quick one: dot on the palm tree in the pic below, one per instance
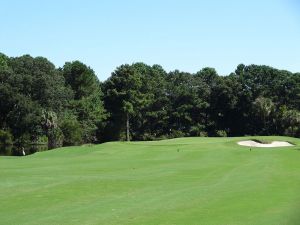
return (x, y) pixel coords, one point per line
(264, 107)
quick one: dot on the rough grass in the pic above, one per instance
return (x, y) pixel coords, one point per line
(181, 181)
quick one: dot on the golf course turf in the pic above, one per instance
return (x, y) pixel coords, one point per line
(209, 181)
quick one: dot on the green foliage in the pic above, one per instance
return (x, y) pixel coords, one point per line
(24, 116)
(263, 108)
(72, 130)
(6, 142)
(39, 80)
(41, 140)
(123, 98)
(81, 79)
(91, 115)
(55, 138)
(198, 130)
(127, 107)
(87, 105)
(203, 134)
(188, 98)
(176, 134)
(70, 106)
(4, 62)
(52, 129)
(152, 117)
(290, 121)
(221, 133)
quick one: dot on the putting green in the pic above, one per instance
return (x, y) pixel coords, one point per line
(181, 181)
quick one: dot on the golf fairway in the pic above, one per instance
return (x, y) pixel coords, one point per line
(189, 181)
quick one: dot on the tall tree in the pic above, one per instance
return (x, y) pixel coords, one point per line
(188, 97)
(123, 98)
(87, 105)
(151, 120)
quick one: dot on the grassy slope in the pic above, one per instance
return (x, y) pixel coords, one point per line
(180, 181)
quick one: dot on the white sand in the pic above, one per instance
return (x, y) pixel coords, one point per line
(260, 145)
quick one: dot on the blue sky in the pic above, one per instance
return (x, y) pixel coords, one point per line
(184, 34)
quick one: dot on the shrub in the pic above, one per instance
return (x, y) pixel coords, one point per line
(221, 133)
(203, 134)
(198, 130)
(23, 140)
(147, 137)
(41, 140)
(292, 131)
(176, 134)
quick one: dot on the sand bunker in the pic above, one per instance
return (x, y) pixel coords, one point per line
(252, 143)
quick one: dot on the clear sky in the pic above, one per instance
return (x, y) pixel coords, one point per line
(177, 34)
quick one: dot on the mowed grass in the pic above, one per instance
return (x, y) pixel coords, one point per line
(181, 181)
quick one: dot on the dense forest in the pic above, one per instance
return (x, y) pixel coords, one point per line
(42, 104)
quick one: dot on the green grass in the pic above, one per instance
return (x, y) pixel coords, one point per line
(181, 181)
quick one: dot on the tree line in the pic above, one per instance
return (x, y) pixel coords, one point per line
(65, 106)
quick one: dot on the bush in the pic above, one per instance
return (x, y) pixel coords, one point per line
(203, 134)
(41, 140)
(146, 137)
(23, 140)
(221, 133)
(198, 130)
(6, 142)
(292, 131)
(176, 134)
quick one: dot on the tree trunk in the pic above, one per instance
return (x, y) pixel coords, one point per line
(127, 127)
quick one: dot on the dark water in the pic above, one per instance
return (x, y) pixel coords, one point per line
(6, 150)
(17, 151)
(37, 148)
